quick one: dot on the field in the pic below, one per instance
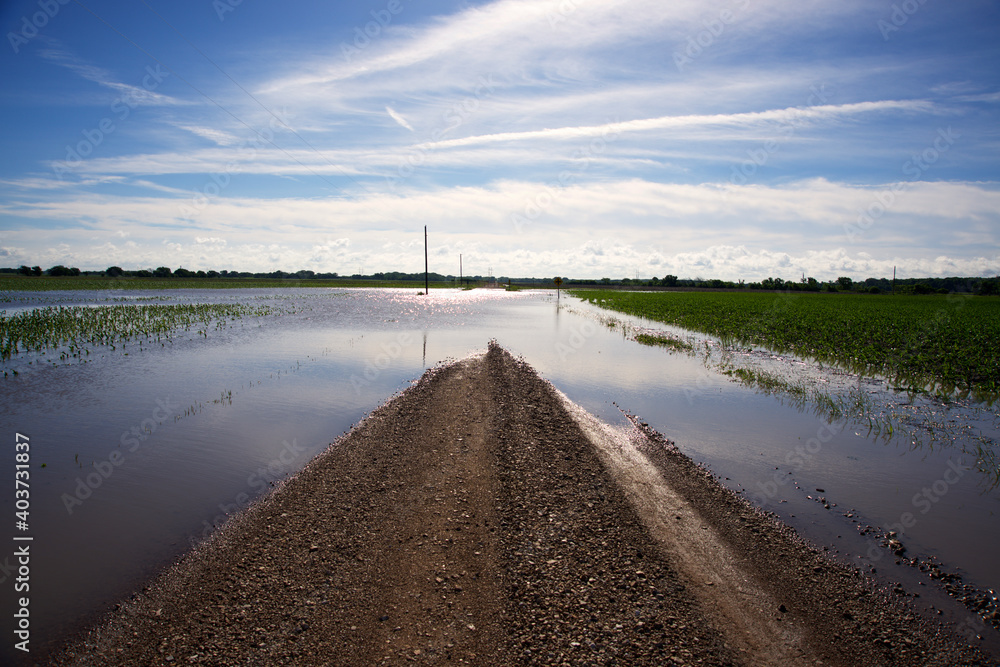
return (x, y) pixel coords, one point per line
(946, 343)
(81, 328)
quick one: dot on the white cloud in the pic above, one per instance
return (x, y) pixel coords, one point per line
(521, 228)
(133, 95)
(782, 116)
(547, 136)
(398, 118)
(217, 137)
(211, 241)
(619, 145)
(536, 42)
(469, 32)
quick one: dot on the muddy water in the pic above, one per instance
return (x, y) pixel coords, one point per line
(146, 452)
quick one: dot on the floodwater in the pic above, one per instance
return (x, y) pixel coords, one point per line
(146, 452)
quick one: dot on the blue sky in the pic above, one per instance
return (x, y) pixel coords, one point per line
(738, 139)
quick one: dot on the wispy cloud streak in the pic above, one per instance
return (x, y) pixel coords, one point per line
(792, 114)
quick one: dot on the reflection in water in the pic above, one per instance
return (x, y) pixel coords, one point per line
(252, 403)
(912, 420)
(938, 502)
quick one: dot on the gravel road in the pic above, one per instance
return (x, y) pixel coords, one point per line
(481, 518)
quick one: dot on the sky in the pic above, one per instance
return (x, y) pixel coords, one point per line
(738, 139)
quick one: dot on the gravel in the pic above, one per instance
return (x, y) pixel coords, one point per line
(477, 519)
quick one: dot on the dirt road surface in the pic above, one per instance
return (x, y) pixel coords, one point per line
(481, 518)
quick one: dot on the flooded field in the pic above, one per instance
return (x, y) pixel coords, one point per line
(141, 447)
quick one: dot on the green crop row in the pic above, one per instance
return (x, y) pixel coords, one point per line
(77, 326)
(950, 342)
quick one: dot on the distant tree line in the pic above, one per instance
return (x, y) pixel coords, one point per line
(165, 272)
(180, 272)
(57, 270)
(984, 286)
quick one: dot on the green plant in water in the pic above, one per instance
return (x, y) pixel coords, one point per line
(75, 327)
(663, 341)
(946, 343)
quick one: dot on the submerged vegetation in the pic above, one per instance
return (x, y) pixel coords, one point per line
(78, 327)
(853, 404)
(663, 341)
(945, 344)
(917, 421)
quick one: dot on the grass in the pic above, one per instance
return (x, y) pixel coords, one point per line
(80, 328)
(945, 344)
(663, 341)
(853, 404)
(769, 382)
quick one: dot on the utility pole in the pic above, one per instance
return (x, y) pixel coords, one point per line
(427, 283)
(459, 269)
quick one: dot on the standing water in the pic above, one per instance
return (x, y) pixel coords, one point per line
(136, 455)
